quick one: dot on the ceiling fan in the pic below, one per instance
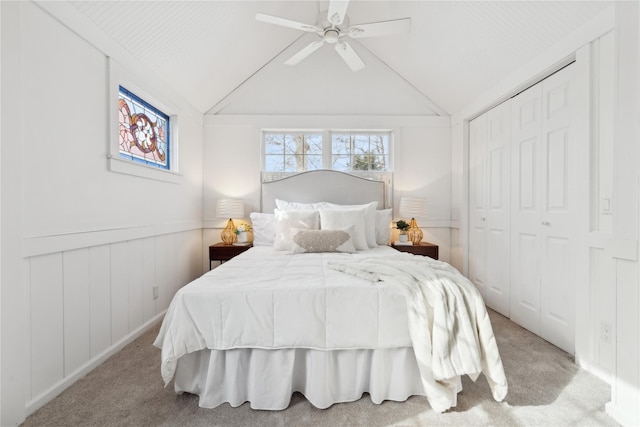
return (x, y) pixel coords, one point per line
(332, 26)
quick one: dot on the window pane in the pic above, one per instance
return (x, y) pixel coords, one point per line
(340, 163)
(379, 143)
(143, 131)
(274, 163)
(360, 144)
(293, 143)
(313, 144)
(293, 163)
(340, 144)
(313, 162)
(273, 143)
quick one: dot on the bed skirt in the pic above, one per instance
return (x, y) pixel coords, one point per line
(268, 378)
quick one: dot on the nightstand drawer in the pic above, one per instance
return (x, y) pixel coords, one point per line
(221, 252)
(423, 248)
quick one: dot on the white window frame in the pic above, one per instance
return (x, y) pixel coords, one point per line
(119, 76)
(326, 149)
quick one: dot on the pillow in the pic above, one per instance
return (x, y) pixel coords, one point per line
(314, 241)
(288, 220)
(264, 228)
(369, 219)
(336, 219)
(296, 206)
(383, 226)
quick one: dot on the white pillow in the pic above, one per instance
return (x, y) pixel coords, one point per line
(297, 206)
(383, 226)
(369, 219)
(314, 241)
(288, 220)
(264, 228)
(336, 219)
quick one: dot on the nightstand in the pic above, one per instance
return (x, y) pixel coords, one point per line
(221, 252)
(423, 248)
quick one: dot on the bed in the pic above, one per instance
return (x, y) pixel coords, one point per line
(321, 306)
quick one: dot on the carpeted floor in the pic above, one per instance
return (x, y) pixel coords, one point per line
(545, 388)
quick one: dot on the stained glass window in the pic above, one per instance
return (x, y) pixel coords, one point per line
(143, 131)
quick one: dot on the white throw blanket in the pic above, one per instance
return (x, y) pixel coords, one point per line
(448, 323)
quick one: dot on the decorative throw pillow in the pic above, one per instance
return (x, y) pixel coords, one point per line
(336, 219)
(288, 220)
(369, 218)
(314, 241)
(383, 226)
(264, 228)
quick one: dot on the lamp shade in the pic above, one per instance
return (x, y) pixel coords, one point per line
(230, 208)
(413, 207)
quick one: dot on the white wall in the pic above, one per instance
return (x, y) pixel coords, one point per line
(85, 245)
(421, 162)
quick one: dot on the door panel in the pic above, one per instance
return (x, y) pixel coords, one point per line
(477, 198)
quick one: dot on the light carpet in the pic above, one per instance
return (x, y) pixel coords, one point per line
(545, 388)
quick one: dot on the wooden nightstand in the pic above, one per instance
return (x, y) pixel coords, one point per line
(424, 249)
(221, 252)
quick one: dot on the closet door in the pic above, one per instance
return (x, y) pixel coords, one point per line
(543, 225)
(526, 131)
(498, 208)
(558, 207)
(489, 137)
(477, 202)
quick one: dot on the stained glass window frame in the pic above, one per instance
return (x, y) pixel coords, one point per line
(159, 97)
(136, 120)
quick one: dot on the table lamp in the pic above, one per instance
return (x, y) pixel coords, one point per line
(413, 207)
(229, 208)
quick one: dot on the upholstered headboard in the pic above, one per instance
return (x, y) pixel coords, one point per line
(322, 186)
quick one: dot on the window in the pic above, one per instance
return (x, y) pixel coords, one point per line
(143, 131)
(339, 150)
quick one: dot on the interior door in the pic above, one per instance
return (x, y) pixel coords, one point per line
(526, 160)
(498, 209)
(558, 222)
(477, 203)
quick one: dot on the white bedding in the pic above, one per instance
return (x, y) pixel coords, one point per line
(270, 300)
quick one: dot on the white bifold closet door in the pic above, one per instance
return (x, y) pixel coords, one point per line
(489, 238)
(543, 222)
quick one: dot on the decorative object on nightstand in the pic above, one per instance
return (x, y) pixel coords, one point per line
(402, 227)
(229, 208)
(414, 207)
(242, 233)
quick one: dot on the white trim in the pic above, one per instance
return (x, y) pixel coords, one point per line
(337, 121)
(52, 243)
(45, 397)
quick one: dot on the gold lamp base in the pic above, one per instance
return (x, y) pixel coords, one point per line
(228, 235)
(415, 233)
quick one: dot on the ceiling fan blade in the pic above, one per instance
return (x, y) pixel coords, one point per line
(350, 56)
(288, 23)
(337, 11)
(306, 51)
(383, 28)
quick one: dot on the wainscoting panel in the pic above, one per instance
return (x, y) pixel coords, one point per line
(84, 304)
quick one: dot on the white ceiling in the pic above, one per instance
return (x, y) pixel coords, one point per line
(454, 52)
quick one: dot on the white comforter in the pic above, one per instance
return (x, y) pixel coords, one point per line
(448, 323)
(268, 299)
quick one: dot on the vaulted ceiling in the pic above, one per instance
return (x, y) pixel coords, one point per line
(454, 51)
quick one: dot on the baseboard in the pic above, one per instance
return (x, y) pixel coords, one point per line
(620, 415)
(45, 397)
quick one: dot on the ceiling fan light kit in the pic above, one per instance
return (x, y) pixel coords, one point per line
(332, 26)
